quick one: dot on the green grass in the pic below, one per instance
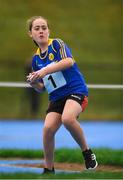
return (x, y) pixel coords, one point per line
(104, 156)
(84, 175)
(11, 153)
(92, 29)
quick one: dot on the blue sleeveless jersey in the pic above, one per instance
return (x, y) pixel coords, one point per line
(61, 83)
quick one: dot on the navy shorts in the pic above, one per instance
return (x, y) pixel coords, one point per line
(58, 106)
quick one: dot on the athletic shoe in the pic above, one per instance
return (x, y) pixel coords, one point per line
(48, 171)
(90, 159)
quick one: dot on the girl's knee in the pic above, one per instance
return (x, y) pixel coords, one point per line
(67, 120)
(48, 131)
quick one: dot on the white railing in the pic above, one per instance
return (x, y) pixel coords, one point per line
(105, 86)
(14, 84)
(90, 86)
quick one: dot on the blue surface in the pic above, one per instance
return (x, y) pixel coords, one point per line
(28, 135)
(5, 166)
(10, 166)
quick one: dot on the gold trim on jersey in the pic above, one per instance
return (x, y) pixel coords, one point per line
(44, 55)
(62, 49)
(50, 41)
(53, 48)
(38, 52)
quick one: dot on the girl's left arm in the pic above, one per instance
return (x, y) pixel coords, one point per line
(61, 65)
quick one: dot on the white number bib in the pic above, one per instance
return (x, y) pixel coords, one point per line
(54, 81)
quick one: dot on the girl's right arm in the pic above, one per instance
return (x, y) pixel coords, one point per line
(38, 86)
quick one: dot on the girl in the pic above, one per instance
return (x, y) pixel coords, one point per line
(55, 70)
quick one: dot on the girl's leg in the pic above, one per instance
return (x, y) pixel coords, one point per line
(51, 125)
(71, 110)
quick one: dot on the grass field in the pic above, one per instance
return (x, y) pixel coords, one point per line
(84, 175)
(106, 157)
(92, 29)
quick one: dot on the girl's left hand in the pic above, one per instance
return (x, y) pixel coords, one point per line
(37, 75)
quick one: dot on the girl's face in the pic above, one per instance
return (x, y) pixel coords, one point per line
(39, 32)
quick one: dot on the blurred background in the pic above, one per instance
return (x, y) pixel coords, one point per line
(92, 29)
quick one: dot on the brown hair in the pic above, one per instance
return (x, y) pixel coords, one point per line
(32, 19)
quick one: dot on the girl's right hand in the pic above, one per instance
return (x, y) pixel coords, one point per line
(29, 78)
